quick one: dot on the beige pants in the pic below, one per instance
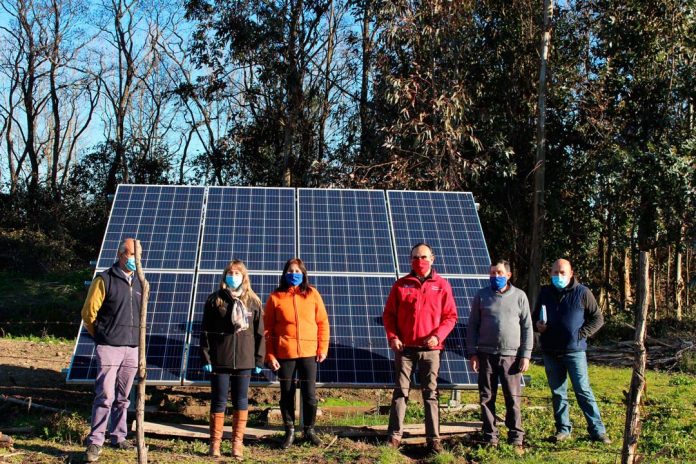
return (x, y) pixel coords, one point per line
(428, 364)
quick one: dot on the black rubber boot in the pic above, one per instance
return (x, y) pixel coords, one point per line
(311, 436)
(310, 417)
(289, 423)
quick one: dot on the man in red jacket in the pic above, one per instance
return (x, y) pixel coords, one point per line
(419, 314)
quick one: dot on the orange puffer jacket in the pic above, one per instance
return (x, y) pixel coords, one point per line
(296, 325)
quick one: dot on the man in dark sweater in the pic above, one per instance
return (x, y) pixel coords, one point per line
(499, 342)
(566, 315)
(111, 315)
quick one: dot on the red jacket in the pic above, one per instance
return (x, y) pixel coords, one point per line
(416, 311)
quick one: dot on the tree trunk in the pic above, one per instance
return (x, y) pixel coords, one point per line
(142, 362)
(633, 424)
(539, 167)
(678, 278)
(654, 284)
(365, 138)
(627, 297)
(293, 88)
(327, 83)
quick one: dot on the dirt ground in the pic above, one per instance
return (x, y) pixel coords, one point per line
(35, 370)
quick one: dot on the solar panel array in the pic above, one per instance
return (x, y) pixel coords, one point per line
(354, 243)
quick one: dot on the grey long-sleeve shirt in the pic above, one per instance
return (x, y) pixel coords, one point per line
(500, 323)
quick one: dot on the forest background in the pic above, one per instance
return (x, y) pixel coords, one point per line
(426, 95)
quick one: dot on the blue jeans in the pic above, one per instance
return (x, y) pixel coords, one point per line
(221, 384)
(558, 368)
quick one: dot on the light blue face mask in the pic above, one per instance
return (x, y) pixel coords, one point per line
(233, 281)
(130, 263)
(560, 282)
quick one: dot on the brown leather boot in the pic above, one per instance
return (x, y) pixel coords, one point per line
(217, 421)
(239, 422)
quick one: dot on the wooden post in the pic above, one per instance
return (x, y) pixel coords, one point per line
(142, 363)
(633, 425)
(538, 208)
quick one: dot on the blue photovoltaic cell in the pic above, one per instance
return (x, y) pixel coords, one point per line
(345, 231)
(263, 285)
(166, 220)
(167, 320)
(358, 350)
(454, 368)
(448, 221)
(256, 225)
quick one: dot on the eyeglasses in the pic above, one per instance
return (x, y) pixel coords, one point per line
(413, 258)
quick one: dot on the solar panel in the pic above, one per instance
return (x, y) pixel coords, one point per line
(345, 231)
(454, 368)
(448, 222)
(167, 321)
(351, 241)
(207, 283)
(166, 219)
(256, 225)
(358, 351)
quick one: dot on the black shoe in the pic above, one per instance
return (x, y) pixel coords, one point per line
(311, 436)
(289, 437)
(603, 438)
(92, 453)
(124, 445)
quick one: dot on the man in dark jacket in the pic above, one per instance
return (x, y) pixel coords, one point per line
(419, 314)
(111, 315)
(566, 315)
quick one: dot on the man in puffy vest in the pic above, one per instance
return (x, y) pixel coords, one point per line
(419, 314)
(111, 315)
(566, 315)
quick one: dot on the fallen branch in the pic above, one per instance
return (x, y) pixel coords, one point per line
(30, 404)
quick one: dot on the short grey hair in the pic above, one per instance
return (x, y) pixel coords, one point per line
(122, 246)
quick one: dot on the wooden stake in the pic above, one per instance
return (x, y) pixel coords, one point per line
(142, 363)
(633, 424)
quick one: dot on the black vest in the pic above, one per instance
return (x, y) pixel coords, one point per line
(118, 319)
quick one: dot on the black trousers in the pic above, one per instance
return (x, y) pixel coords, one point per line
(494, 368)
(306, 369)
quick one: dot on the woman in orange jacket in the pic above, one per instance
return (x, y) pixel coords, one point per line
(297, 338)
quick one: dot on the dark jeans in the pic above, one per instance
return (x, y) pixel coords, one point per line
(306, 369)
(221, 384)
(503, 369)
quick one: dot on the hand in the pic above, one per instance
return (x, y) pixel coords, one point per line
(524, 364)
(432, 341)
(274, 365)
(541, 327)
(474, 363)
(208, 368)
(321, 357)
(257, 370)
(396, 345)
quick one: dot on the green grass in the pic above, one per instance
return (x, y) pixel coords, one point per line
(667, 434)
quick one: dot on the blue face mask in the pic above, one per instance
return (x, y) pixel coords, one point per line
(130, 263)
(293, 279)
(498, 283)
(233, 281)
(560, 282)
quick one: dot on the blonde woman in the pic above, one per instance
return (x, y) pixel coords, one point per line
(232, 345)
